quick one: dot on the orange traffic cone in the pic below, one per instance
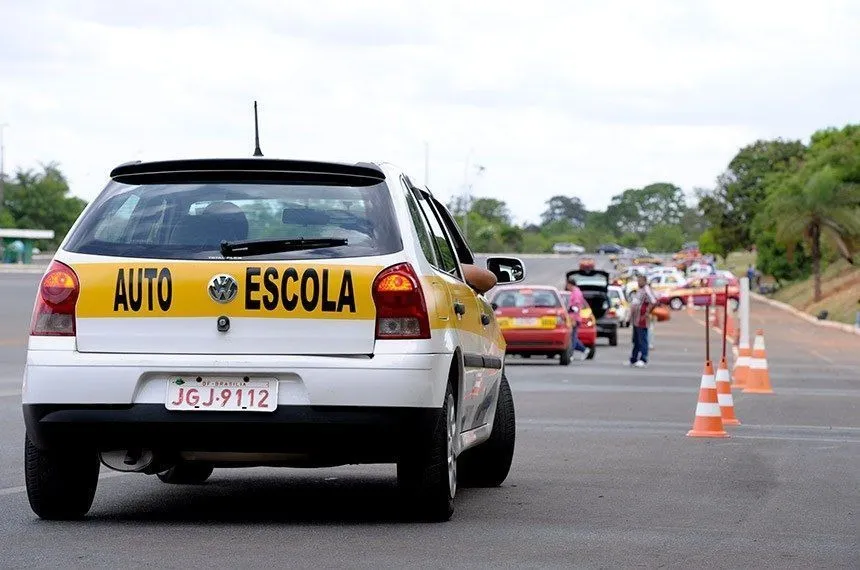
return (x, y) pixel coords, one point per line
(758, 381)
(741, 372)
(730, 325)
(724, 395)
(708, 421)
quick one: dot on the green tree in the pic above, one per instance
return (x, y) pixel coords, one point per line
(816, 207)
(41, 200)
(569, 209)
(638, 210)
(708, 243)
(664, 238)
(491, 210)
(742, 189)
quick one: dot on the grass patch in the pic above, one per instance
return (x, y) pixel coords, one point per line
(738, 262)
(840, 288)
(840, 291)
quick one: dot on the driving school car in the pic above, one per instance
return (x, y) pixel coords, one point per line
(534, 321)
(245, 312)
(710, 290)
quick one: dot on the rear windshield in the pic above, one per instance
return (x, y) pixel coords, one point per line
(595, 280)
(189, 221)
(527, 298)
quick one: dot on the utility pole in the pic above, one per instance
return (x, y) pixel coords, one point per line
(2, 164)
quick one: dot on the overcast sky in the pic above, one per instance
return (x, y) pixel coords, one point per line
(581, 98)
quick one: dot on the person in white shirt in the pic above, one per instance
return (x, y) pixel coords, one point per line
(644, 301)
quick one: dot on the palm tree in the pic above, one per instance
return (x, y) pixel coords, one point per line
(823, 207)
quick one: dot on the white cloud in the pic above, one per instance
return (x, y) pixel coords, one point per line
(554, 97)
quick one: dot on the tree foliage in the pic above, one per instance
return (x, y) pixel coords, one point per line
(41, 200)
(740, 192)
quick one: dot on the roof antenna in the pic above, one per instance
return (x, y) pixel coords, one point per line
(257, 151)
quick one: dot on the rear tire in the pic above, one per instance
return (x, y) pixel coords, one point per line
(591, 351)
(564, 358)
(613, 339)
(427, 475)
(488, 464)
(187, 474)
(61, 484)
(676, 303)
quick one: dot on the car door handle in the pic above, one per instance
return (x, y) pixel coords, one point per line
(459, 308)
(485, 319)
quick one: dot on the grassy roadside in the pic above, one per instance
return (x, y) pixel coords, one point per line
(840, 288)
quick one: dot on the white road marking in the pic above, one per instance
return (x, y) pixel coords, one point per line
(821, 356)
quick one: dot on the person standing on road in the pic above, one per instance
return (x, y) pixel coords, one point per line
(578, 302)
(641, 306)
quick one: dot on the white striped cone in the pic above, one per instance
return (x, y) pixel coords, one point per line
(759, 376)
(709, 419)
(724, 395)
(741, 371)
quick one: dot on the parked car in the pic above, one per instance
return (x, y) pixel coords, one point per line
(534, 321)
(666, 281)
(587, 331)
(605, 248)
(620, 304)
(594, 285)
(566, 248)
(701, 290)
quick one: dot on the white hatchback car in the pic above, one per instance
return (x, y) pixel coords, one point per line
(247, 312)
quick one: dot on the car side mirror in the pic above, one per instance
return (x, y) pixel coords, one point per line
(506, 269)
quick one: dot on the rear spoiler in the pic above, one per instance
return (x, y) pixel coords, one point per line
(263, 170)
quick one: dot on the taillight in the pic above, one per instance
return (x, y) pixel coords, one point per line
(401, 312)
(54, 312)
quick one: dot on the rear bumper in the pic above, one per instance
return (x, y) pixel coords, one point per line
(587, 336)
(537, 341)
(607, 328)
(326, 433)
(384, 380)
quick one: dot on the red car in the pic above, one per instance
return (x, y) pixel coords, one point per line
(533, 320)
(587, 332)
(701, 290)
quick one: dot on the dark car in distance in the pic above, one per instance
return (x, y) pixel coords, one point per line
(594, 285)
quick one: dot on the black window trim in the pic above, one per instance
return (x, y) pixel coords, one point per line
(408, 190)
(428, 198)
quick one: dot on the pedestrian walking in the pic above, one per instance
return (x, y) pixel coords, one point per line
(576, 305)
(644, 301)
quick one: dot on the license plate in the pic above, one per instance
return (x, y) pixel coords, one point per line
(526, 322)
(222, 394)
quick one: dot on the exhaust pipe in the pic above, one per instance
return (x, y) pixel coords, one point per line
(128, 460)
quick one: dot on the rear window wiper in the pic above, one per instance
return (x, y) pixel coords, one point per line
(264, 246)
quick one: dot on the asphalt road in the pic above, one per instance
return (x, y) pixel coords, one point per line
(603, 475)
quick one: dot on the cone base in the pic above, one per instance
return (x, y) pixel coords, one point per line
(758, 391)
(731, 422)
(694, 433)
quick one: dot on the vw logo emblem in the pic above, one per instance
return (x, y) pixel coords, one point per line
(223, 288)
